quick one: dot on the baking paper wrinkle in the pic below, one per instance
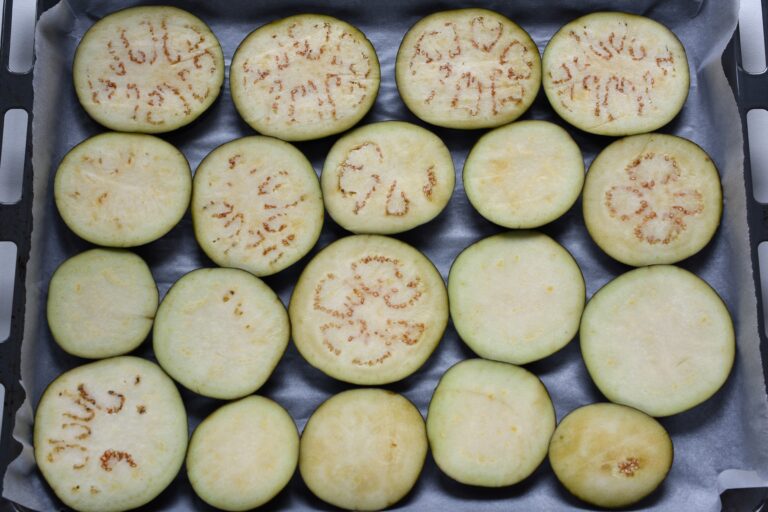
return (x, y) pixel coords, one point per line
(729, 431)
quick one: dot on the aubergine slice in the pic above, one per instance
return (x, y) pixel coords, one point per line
(256, 205)
(368, 310)
(220, 332)
(489, 423)
(243, 454)
(148, 69)
(516, 297)
(612, 73)
(363, 449)
(101, 303)
(610, 455)
(658, 339)
(110, 435)
(122, 189)
(304, 77)
(387, 178)
(524, 175)
(652, 199)
(468, 68)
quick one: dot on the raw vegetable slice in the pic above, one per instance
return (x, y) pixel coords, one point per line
(613, 73)
(468, 68)
(387, 178)
(610, 455)
(304, 77)
(368, 309)
(220, 332)
(489, 423)
(122, 189)
(101, 303)
(658, 339)
(110, 435)
(363, 449)
(148, 69)
(524, 175)
(256, 205)
(516, 297)
(652, 199)
(243, 454)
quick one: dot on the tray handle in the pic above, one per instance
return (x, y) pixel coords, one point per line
(15, 226)
(751, 91)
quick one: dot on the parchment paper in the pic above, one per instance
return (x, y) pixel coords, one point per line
(729, 431)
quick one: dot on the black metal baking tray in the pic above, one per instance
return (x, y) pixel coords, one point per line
(16, 91)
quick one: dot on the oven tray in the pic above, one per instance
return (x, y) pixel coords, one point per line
(729, 431)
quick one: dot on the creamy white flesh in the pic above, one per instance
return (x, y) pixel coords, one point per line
(658, 339)
(363, 449)
(256, 205)
(516, 297)
(368, 310)
(489, 423)
(121, 189)
(101, 303)
(652, 199)
(524, 175)
(243, 454)
(304, 77)
(387, 178)
(220, 332)
(110, 435)
(613, 73)
(610, 455)
(468, 68)
(148, 69)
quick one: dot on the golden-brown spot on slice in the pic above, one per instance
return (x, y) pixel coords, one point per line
(628, 466)
(111, 457)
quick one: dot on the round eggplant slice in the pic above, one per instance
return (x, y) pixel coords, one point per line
(243, 454)
(363, 449)
(220, 332)
(368, 310)
(516, 297)
(658, 339)
(612, 73)
(524, 175)
(387, 178)
(148, 69)
(652, 199)
(304, 77)
(256, 205)
(489, 423)
(468, 68)
(122, 189)
(101, 303)
(610, 455)
(110, 435)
